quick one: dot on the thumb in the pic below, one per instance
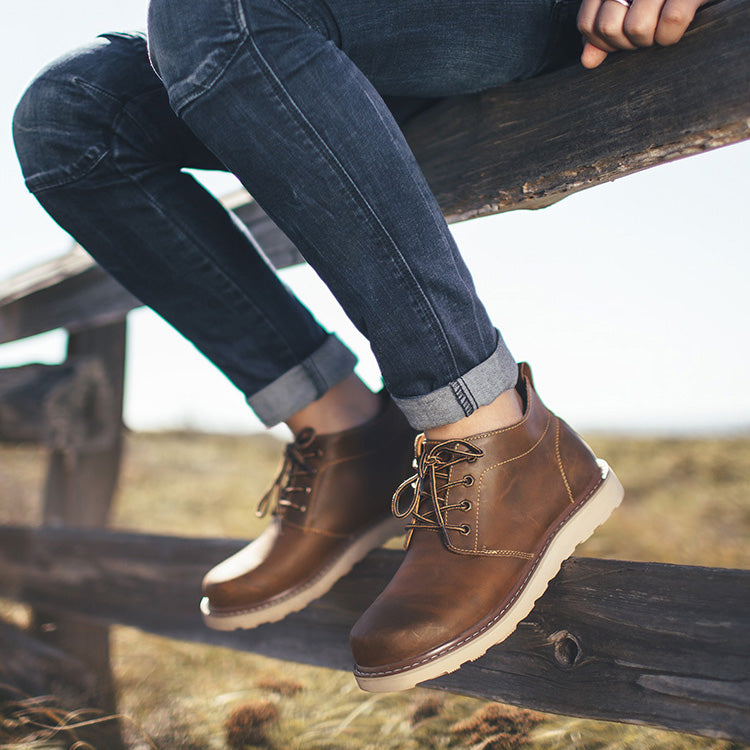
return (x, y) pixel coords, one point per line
(592, 56)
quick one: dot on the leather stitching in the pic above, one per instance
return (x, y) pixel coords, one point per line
(508, 553)
(499, 615)
(559, 460)
(313, 530)
(481, 479)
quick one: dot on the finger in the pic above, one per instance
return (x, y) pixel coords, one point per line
(587, 15)
(586, 21)
(674, 19)
(609, 25)
(592, 56)
(641, 21)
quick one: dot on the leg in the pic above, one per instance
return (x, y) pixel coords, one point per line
(287, 94)
(288, 112)
(102, 151)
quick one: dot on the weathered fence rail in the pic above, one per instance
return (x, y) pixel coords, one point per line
(639, 642)
(529, 144)
(635, 642)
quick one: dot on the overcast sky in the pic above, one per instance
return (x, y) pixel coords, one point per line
(630, 300)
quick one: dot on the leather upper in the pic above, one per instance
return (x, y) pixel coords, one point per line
(473, 541)
(330, 488)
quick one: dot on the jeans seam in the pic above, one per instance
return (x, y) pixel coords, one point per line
(424, 308)
(464, 396)
(313, 372)
(302, 16)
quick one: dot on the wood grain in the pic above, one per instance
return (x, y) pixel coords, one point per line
(75, 299)
(524, 145)
(637, 642)
(529, 144)
(81, 480)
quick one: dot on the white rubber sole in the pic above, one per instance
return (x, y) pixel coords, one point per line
(298, 598)
(576, 530)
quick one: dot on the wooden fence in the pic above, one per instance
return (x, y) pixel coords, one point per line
(636, 642)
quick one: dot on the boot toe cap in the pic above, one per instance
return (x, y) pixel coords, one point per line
(398, 632)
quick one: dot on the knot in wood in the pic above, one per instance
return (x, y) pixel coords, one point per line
(567, 649)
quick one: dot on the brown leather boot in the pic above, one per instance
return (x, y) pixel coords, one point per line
(332, 506)
(492, 519)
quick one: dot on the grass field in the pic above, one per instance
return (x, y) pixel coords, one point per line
(687, 501)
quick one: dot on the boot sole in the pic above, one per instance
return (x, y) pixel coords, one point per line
(576, 530)
(299, 597)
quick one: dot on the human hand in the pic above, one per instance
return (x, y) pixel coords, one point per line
(611, 25)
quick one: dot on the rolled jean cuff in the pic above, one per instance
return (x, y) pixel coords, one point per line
(306, 382)
(478, 387)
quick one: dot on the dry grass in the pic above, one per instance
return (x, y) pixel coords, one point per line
(497, 727)
(687, 501)
(280, 685)
(22, 479)
(248, 724)
(426, 708)
(40, 723)
(190, 484)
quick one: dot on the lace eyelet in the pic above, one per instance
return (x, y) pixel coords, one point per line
(465, 529)
(466, 505)
(468, 480)
(302, 508)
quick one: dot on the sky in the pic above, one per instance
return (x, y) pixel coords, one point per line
(630, 300)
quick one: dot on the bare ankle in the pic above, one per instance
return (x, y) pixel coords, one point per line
(346, 405)
(505, 410)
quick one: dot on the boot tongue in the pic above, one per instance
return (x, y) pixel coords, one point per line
(428, 445)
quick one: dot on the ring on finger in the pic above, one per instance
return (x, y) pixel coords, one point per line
(626, 3)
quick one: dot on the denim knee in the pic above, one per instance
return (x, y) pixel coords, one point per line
(56, 132)
(66, 120)
(190, 44)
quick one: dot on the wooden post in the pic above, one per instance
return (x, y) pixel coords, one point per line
(80, 483)
(79, 489)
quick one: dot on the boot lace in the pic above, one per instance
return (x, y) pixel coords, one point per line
(294, 478)
(429, 505)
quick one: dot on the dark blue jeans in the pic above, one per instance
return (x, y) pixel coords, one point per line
(302, 100)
